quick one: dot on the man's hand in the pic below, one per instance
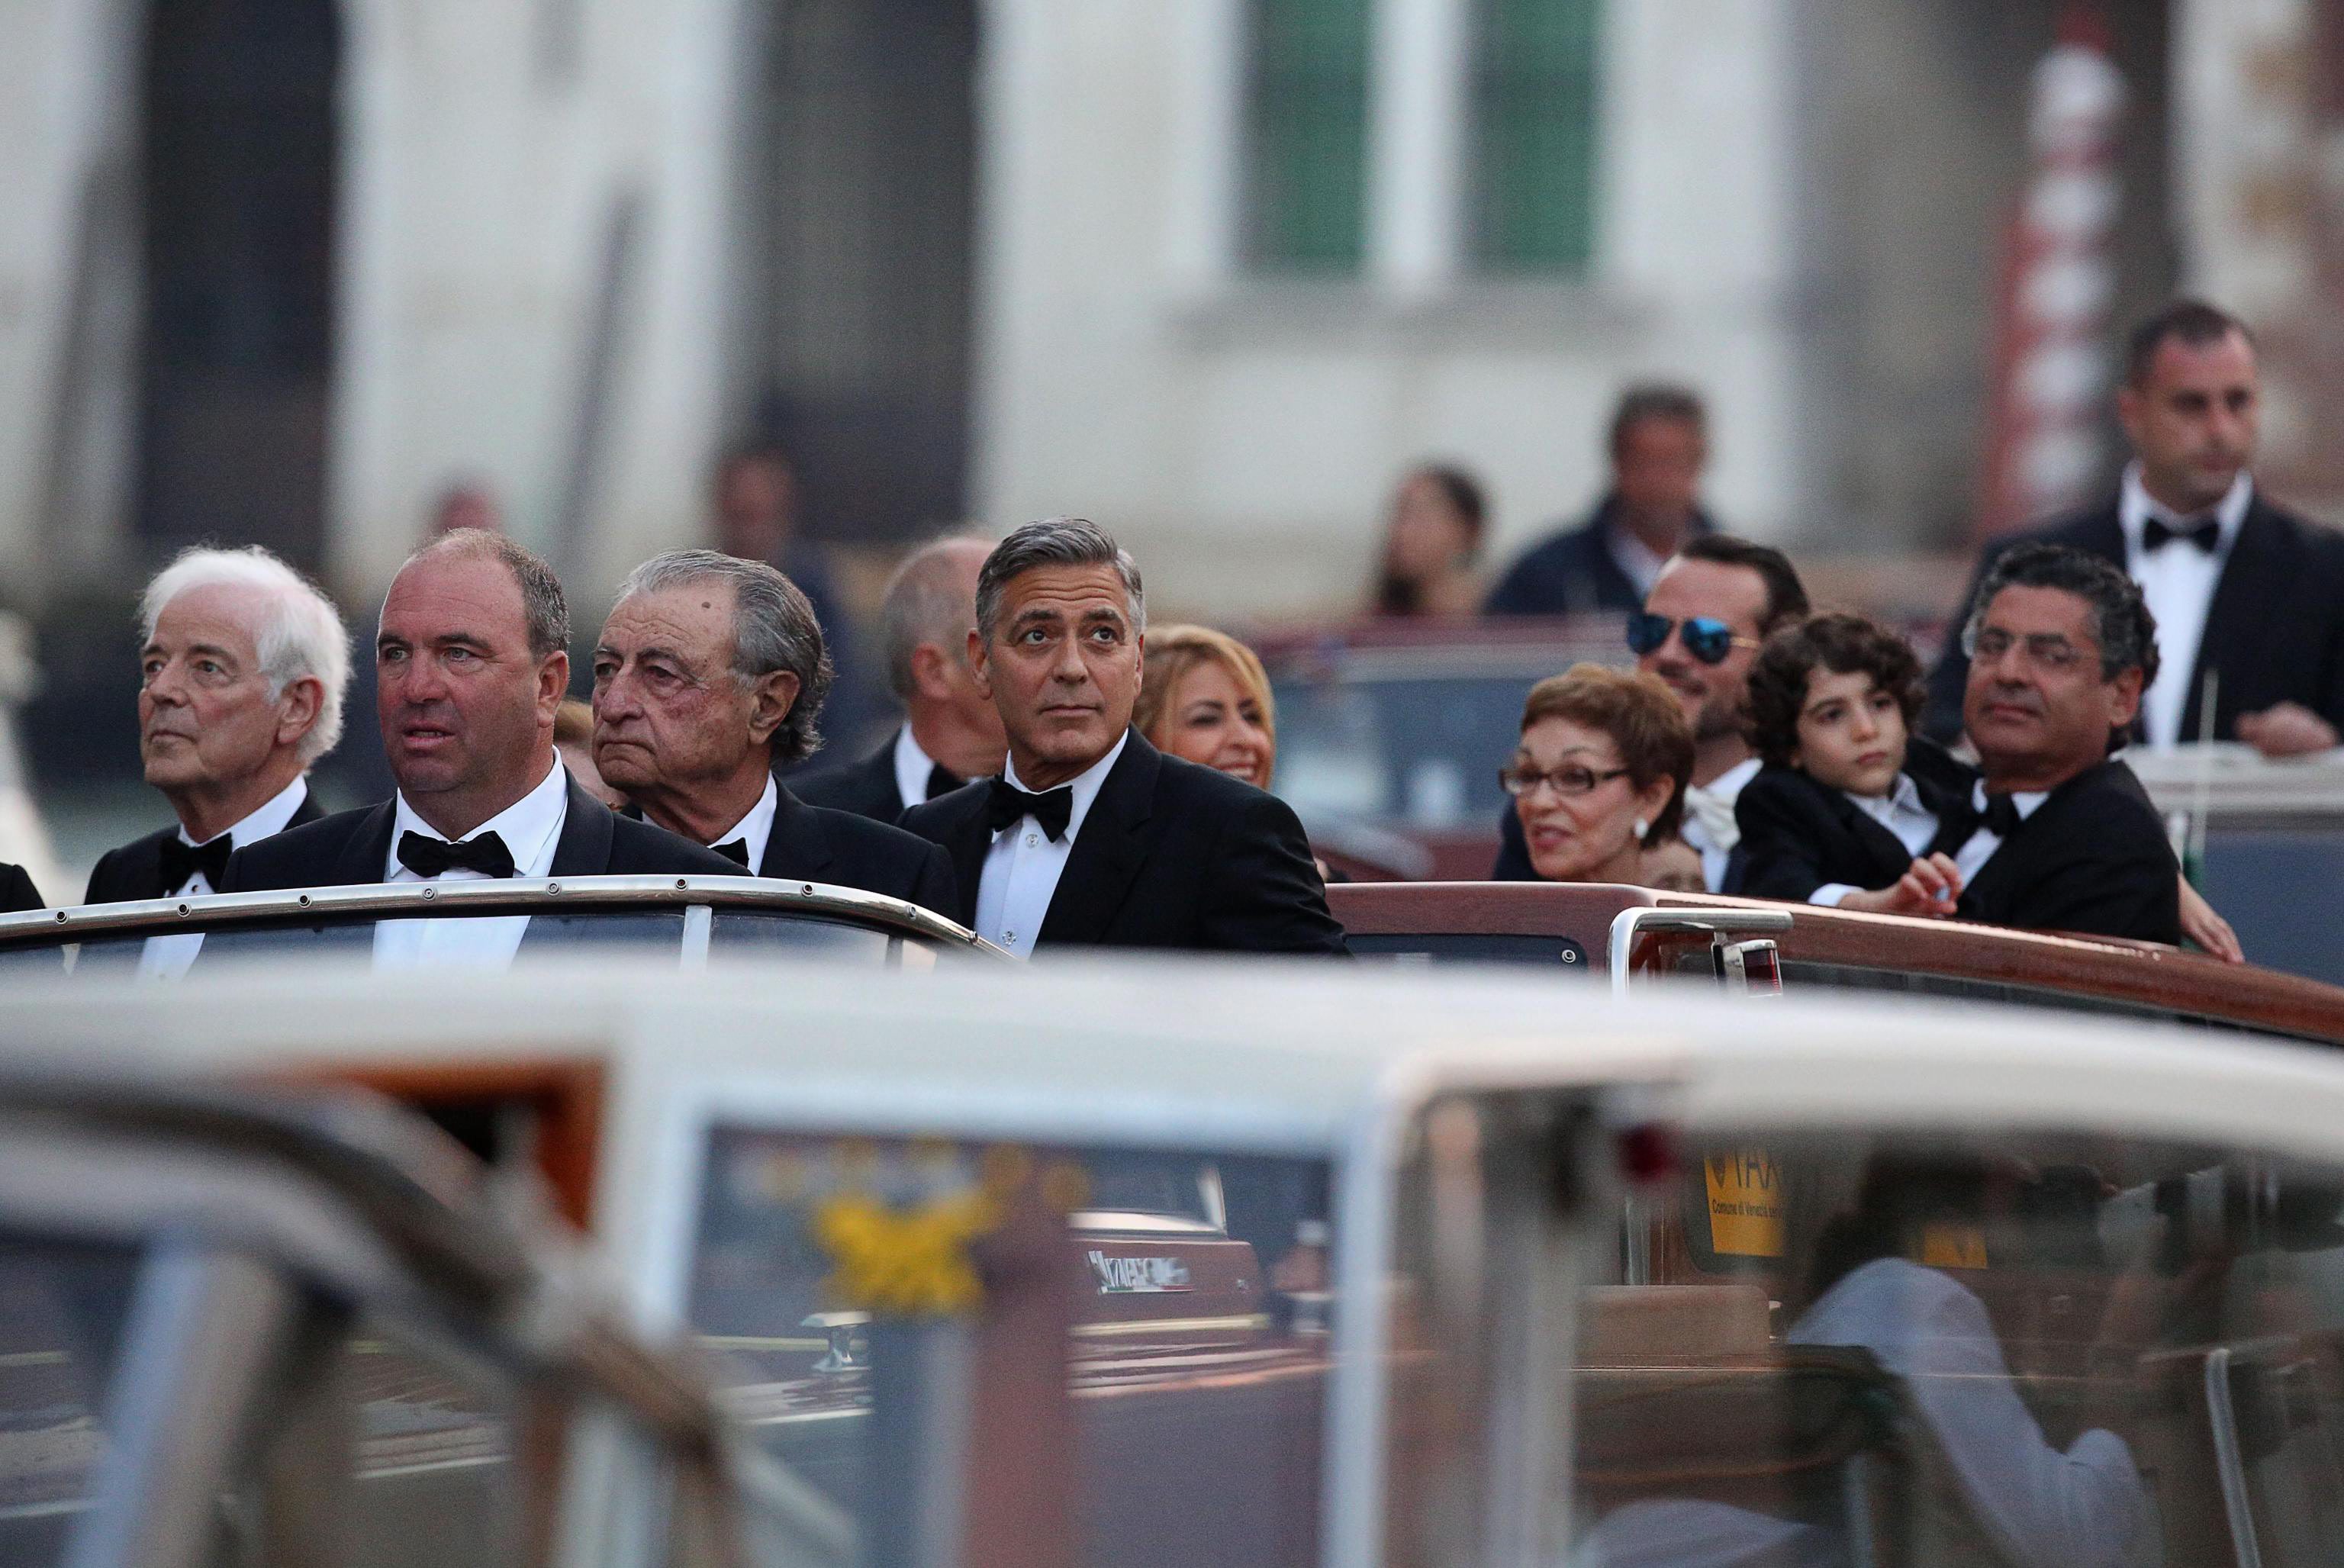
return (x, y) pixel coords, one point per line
(1928, 888)
(2286, 730)
(2208, 929)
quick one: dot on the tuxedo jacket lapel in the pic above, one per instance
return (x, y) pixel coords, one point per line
(366, 850)
(1108, 851)
(584, 847)
(798, 845)
(2253, 576)
(1884, 850)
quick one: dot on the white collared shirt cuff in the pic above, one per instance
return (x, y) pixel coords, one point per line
(1830, 893)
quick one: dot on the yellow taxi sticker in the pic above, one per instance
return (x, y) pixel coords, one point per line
(1745, 1203)
(1945, 1246)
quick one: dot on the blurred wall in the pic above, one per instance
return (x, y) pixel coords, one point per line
(1135, 369)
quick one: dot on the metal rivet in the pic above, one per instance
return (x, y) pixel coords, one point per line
(1571, 955)
(305, 901)
(430, 891)
(554, 888)
(680, 885)
(183, 912)
(807, 889)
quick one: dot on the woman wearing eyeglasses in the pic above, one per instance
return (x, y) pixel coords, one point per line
(1599, 777)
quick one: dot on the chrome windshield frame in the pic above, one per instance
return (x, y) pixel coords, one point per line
(511, 896)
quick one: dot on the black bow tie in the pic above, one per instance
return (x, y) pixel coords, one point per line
(2000, 817)
(735, 850)
(181, 860)
(2207, 535)
(1053, 808)
(428, 857)
(941, 779)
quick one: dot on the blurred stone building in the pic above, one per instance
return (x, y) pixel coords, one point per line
(1210, 271)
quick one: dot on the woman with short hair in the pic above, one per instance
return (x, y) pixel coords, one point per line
(1600, 776)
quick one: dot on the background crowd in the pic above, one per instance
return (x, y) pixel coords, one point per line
(1060, 774)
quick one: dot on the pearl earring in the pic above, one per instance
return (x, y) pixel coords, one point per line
(1642, 827)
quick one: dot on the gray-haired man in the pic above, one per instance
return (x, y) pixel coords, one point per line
(951, 733)
(1091, 835)
(710, 673)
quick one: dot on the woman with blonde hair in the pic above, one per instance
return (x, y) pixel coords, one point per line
(1205, 698)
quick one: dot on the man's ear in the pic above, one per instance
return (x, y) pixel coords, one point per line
(2124, 698)
(977, 667)
(300, 704)
(928, 676)
(769, 702)
(2132, 411)
(552, 685)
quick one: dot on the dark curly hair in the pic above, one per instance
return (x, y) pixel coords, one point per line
(1843, 644)
(2121, 621)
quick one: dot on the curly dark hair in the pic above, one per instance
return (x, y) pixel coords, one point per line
(2121, 621)
(1843, 644)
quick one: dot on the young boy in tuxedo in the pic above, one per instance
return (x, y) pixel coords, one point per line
(1851, 809)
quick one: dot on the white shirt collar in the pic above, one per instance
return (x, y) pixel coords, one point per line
(2023, 801)
(531, 826)
(269, 820)
(913, 767)
(2136, 506)
(1728, 785)
(757, 828)
(1902, 795)
(1085, 784)
(1634, 558)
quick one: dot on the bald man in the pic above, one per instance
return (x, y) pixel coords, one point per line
(950, 731)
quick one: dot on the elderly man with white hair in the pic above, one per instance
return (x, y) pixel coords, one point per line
(242, 676)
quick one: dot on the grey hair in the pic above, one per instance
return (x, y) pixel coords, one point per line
(544, 609)
(924, 604)
(773, 628)
(300, 635)
(1055, 541)
(2121, 622)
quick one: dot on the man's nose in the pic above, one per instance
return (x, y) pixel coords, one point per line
(1069, 666)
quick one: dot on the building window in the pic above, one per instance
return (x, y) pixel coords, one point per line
(1534, 88)
(1307, 135)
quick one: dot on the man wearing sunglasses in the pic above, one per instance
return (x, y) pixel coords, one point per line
(1699, 631)
(2061, 647)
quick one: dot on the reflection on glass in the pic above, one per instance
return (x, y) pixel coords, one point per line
(1123, 1293)
(2057, 1352)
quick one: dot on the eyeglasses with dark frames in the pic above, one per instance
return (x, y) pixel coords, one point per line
(1517, 780)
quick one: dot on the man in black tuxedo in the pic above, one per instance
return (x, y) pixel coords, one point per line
(2061, 647)
(950, 732)
(710, 675)
(243, 671)
(2240, 589)
(472, 663)
(1115, 844)
(16, 890)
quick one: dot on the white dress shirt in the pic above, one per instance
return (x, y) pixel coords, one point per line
(2178, 582)
(756, 829)
(167, 958)
(1709, 823)
(1899, 810)
(2083, 1506)
(1023, 867)
(913, 767)
(1971, 858)
(530, 828)
(1634, 558)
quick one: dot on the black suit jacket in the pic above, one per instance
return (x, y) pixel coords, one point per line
(1572, 571)
(16, 890)
(135, 871)
(867, 788)
(1171, 855)
(353, 846)
(1799, 833)
(2092, 858)
(814, 843)
(2275, 629)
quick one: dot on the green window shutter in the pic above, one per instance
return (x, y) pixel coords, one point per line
(1307, 135)
(1535, 103)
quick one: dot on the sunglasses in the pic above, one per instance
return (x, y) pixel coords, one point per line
(1705, 637)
